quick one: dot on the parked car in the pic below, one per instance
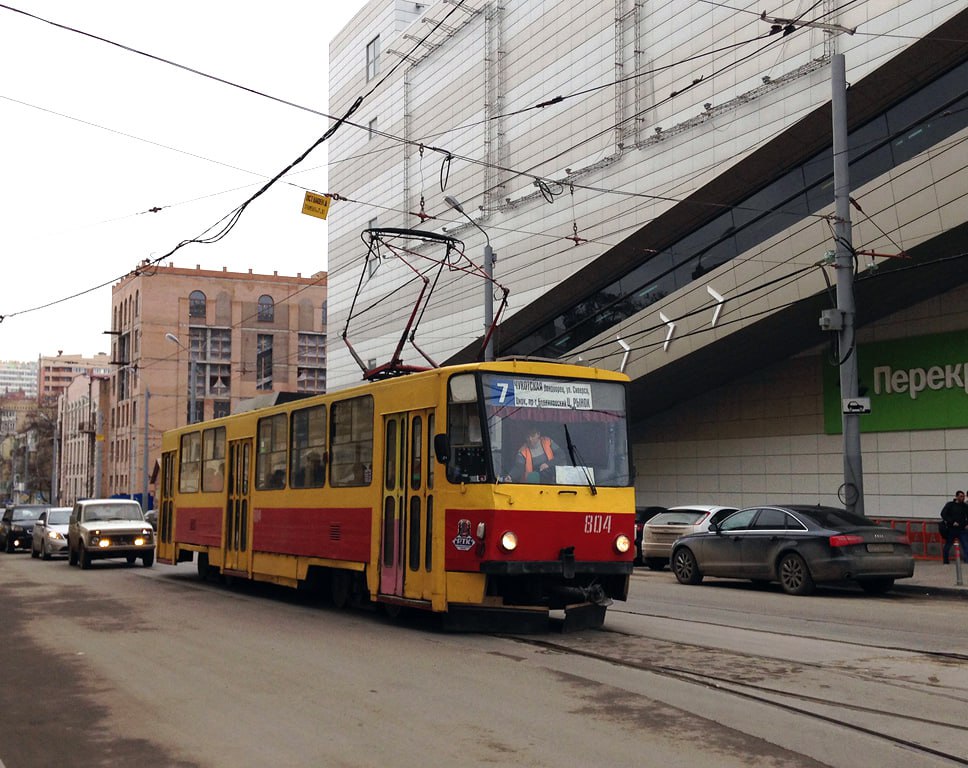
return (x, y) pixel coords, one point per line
(151, 517)
(101, 528)
(50, 533)
(661, 532)
(642, 516)
(797, 545)
(17, 525)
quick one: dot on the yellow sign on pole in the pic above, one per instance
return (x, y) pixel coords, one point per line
(316, 205)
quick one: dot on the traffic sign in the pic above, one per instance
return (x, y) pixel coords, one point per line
(316, 205)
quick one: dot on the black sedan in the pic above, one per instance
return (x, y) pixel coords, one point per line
(798, 546)
(17, 526)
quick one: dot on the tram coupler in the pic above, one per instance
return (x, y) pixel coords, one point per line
(567, 557)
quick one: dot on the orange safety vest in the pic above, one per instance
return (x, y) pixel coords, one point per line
(526, 453)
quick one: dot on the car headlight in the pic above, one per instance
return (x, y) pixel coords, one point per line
(509, 541)
(140, 541)
(55, 535)
(104, 543)
(622, 544)
(16, 529)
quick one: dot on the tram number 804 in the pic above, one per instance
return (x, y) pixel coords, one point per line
(598, 523)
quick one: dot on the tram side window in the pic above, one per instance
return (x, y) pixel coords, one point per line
(270, 463)
(307, 452)
(467, 462)
(213, 459)
(190, 464)
(351, 442)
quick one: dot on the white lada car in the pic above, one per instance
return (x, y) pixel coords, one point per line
(101, 528)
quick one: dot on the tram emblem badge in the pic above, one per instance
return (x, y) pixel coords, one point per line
(463, 540)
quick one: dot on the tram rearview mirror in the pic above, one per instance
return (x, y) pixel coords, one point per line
(441, 448)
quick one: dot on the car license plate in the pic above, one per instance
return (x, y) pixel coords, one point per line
(880, 547)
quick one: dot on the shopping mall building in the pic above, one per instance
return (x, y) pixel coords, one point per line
(657, 183)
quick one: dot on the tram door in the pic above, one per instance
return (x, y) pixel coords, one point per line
(237, 507)
(406, 555)
(166, 506)
(394, 503)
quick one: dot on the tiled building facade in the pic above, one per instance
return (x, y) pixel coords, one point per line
(631, 162)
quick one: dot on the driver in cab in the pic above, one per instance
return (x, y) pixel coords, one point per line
(535, 461)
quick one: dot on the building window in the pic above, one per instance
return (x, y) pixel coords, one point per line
(221, 408)
(371, 130)
(311, 380)
(373, 58)
(196, 304)
(263, 362)
(311, 362)
(267, 309)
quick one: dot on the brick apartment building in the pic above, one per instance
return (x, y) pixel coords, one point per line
(210, 339)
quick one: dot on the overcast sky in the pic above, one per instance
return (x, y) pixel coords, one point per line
(94, 136)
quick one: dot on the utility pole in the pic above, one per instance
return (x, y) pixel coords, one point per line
(489, 260)
(853, 487)
(144, 457)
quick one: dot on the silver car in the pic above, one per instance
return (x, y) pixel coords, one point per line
(50, 533)
(660, 532)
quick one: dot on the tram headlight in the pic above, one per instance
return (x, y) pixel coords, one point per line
(622, 544)
(509, 541)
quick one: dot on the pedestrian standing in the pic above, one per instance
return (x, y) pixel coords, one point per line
(955, 516)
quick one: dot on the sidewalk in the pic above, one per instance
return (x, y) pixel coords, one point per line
(931, 577)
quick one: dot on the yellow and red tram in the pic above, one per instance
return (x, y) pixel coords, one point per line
(419, 491)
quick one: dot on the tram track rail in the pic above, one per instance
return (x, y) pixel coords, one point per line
(794, 702)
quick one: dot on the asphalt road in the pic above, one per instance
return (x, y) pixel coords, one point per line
(152, 667)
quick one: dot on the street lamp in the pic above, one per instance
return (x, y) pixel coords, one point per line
(192, 371)
(488, 275)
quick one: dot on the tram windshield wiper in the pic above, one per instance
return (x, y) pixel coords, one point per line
(577, 460)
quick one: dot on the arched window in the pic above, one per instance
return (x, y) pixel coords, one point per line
(267, 309)
(196, 304)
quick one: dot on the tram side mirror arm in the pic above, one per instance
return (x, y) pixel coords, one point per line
(442, 448)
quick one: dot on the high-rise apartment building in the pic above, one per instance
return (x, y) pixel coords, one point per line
(18, 377)
(55, 373)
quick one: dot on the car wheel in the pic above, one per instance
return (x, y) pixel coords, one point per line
(9, 546)
(685, 567)
(794, 575)
(131, 559)
(656, 563)
(876, 586)
(44, 552)
(33, 552)
(148, 559)
(84, 557)
(71, 555)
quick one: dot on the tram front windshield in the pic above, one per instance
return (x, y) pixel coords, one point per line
(513, 428)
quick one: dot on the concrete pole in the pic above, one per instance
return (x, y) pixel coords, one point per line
(853, 488)
(488, 297)
(144, 457)
(192, 383)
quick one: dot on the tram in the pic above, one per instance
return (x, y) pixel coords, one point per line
(494, 494)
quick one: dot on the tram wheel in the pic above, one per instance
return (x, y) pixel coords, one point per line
(392, 610)
(339, 587)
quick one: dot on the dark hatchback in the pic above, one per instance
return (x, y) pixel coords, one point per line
(798, 546)
(17, 526)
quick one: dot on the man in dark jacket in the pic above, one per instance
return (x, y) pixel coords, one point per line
(955, 515)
